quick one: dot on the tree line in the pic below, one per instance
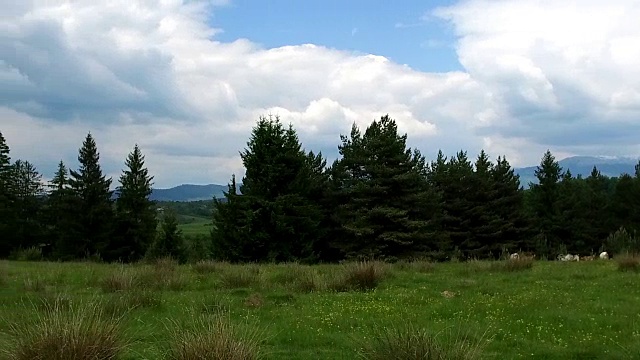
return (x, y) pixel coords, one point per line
(379, 199)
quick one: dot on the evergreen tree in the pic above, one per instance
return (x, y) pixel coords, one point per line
(60, 215)
(276, 207)
(28, 192)
(169, 241)
(230, 233)
(544, 206)
(507, 203)
(7, 213)
(387, 208)
(136, 213)
(94, 214)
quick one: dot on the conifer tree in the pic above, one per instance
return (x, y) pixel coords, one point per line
(94, 214)
(388, 207)
(28, 192)
(136, 213)
(7, 214)
(275, 206)
(60, 215)
(169, 241)
(545, 198)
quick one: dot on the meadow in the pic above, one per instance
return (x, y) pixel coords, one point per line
(464, 310)
(194, 225)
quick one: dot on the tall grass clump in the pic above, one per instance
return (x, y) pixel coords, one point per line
(628, 263)
(120, 280)
(410, 342)
(66, 331)
(513, 265)
(235, 277)
(203, 267)
(213, 338)
(359, 276)
(33, 253)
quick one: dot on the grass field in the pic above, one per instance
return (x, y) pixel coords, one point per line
(193, 225)
(551, 310)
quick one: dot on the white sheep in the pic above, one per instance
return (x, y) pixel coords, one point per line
(514, 256)
(604, 255)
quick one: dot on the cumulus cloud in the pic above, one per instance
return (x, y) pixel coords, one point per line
(563, 74)
(154, 73)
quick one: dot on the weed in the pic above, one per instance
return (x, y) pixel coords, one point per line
(410, 342)
(359, 276)
(213, 338)
(630, 263)
(512, 265)
(66, 332)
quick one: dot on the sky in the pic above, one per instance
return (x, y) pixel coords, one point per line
(187, 80)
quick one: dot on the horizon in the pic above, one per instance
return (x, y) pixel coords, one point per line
(187, 79)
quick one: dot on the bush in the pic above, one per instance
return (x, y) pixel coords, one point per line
(628, 263)
(213, 338)
(33, 253)
(409, 342)
(513, 265)
(360, 276)
(621, 242)
(66, 332)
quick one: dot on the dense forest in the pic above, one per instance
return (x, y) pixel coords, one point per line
(379, 199)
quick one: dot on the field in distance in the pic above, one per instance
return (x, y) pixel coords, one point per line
(540, 310)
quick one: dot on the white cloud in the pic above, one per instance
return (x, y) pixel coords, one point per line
(153, 73)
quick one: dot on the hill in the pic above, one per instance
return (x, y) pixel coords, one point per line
(582, 165)
(189, 192)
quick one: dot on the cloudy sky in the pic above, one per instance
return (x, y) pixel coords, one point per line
(187, 79)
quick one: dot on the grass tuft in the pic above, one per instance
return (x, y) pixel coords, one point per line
(359, 276)
(63, 332)
(410, 342)
(213, 338)
(240, 277)
(628, 263)
(512, 265)
(118, 281)
(208, 267)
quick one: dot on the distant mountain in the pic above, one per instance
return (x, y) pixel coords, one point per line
(582, 165)
(188, 192)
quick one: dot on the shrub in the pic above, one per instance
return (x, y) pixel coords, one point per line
(360, 276)
(66, 332)
(33, 253)
(207, 267)
(409, 342)
(628, 263)
(118, 281)
(213, 338)
(621, 242)
(240, 277)
(513, 265)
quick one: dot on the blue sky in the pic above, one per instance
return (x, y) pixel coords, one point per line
(404, 32)
(187, 79)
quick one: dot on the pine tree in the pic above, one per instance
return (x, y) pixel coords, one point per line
(275, 206)
(387, 205)
(94, 214)
(545, 200)
(7, 213)
(60, 217)
(230, 233)
(169, 241)
(28, 191)
(136, 213)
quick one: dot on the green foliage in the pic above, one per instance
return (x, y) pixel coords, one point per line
(622, 242)
(385, 206)
(33, 253)
(275, 217)
(94, 216)
(169, 241)
(628, 263)
(136, 213)
(360, 276)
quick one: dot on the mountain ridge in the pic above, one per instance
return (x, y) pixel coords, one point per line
(578, 165)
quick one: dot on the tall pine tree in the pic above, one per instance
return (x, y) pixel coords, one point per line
(60, 215)
(94, 214)
(7, 213)
(387, 207)
(136, 213)
(28, 191)
(275, 206)
(544, 205)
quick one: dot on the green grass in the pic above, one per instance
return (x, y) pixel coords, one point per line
(550, 310)
(193, 225)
